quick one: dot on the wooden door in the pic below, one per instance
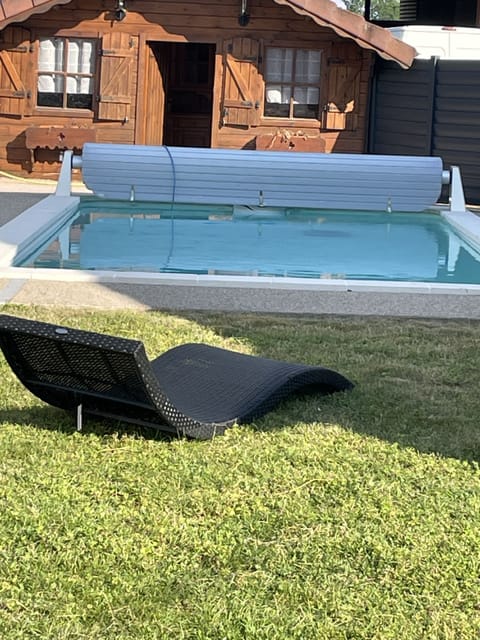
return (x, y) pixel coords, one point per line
(242, 85)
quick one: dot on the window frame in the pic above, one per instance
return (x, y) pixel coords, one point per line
(65, 111)
(291, 118)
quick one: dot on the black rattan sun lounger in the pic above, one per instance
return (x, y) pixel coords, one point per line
(192, 390)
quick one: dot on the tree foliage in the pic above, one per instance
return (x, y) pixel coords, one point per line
(379, 9)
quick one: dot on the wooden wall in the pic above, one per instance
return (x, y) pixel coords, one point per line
(126, 72)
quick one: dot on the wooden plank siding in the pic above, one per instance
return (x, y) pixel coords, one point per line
(130, 92)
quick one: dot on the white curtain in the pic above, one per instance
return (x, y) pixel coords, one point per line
(307, 66)
(80, 59)
(279, 69)
(278, 93)
(50, 60)
(306, 95)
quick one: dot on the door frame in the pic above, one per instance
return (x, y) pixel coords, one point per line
(145, 42)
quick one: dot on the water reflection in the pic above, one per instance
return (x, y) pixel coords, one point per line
(261, 241)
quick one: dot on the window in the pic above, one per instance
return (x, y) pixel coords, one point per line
(292, 79)
(66, 69)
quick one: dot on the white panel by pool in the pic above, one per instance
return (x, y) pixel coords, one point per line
(259, 241)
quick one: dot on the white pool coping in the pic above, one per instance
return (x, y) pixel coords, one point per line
(37, 223)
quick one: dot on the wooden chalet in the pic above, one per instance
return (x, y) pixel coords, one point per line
(243, 74)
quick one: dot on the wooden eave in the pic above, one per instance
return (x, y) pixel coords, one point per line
(350, 25)
(324, 12)
(19, 10)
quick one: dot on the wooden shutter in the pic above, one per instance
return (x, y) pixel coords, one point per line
(117, 76)
(242, 88)
(341, 109)
(15, 67)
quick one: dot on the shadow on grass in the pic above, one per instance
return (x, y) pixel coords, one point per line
(301, 407)
(361, 411)
(416, 380)
(49, 418)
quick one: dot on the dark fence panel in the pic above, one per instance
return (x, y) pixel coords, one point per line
(402, 109)
(431, 109)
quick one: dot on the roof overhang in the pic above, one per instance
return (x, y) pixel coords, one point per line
(350, 25)
(22, 9)
(324, 12)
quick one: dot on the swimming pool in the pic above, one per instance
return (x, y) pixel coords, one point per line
(257, 242)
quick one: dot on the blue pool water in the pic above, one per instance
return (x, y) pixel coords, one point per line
(201, 239)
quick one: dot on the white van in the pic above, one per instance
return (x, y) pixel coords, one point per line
(454, 43)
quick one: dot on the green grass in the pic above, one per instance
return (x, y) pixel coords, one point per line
(354, 516)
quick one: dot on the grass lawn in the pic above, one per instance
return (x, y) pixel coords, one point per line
(353, 516)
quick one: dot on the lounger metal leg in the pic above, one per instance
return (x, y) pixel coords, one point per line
(79, 418)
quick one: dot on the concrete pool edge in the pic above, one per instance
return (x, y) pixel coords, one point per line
(188, 299)
(41, 219)
(49, 214)
(235, 282)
